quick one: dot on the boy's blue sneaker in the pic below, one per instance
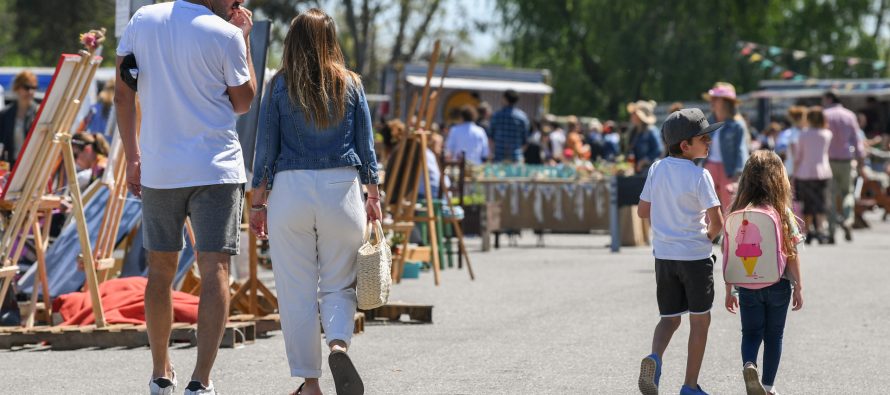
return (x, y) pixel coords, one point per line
(687, 390)
(650, 373)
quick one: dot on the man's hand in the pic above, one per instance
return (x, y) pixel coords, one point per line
(134, 178)
(242, 18)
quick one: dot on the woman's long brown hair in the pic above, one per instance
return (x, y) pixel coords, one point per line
(314, 70)
(764, 183)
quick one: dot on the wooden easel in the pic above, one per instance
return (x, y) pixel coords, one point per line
(29, 203)
(114, 207)
(251, 296)
(402, 182)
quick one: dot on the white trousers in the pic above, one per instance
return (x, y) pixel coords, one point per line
(316, 225)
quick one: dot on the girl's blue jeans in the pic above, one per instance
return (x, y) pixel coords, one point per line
(763, 314)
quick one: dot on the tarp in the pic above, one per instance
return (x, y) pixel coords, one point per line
(123, 302)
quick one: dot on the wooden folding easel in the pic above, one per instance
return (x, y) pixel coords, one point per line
(403, 181)
(251, 296)
(114, 207)
(30, 203)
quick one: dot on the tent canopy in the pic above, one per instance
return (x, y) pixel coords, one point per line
(483, 84)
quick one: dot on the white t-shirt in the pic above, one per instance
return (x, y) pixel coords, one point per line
(187, 58)
(469, 139)
(680, 193)
(715, 155)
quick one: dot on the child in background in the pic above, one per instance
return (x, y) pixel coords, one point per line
(812, 173)
(764, 183)
(677, 196)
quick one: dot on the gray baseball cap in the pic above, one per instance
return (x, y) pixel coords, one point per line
(685, 124)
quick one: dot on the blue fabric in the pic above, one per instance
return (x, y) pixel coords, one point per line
(510, 130)
(646, 145)
(288, 140)
(611, 146)
(733, 148)
(98, 122)
(763, 314)
(687, 390)
(61, 256)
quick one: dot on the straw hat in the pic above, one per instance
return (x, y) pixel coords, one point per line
(723, 90)
(644, 109)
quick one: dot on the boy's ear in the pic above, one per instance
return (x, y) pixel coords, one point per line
(684, 145)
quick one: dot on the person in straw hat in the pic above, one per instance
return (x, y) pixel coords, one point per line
(644, 144)
(729, 150)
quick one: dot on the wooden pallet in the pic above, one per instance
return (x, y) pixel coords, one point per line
(70, 337)
(393, 312)
(272, 322)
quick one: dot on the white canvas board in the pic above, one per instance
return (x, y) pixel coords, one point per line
(47, 113)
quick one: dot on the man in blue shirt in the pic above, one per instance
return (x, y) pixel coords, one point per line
(509, 129)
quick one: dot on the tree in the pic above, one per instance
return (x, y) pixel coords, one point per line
(45, 29)
(362, 22)
(606, 53)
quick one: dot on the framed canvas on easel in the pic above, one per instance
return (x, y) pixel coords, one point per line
(26, 193)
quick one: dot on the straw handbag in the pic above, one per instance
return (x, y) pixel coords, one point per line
(374, 261)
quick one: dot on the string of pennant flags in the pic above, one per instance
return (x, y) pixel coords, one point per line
(765, 56)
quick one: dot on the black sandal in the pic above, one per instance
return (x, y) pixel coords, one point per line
(346, 378)
(299, 389)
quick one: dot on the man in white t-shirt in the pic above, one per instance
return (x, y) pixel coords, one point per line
(467, 139)
(677, 196)
(194, 76)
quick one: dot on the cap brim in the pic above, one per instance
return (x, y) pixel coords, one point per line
(711, 128)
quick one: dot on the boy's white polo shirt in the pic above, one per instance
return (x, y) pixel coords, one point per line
(680, 193)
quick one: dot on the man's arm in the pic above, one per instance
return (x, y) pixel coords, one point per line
(242, 96)
(125, 106)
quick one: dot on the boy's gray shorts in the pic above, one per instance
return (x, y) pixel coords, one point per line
(215, 211)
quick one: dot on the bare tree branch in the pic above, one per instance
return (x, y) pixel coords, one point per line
(421, 31)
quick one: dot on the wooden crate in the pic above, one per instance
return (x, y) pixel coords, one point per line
(118, 335)
(392, 312)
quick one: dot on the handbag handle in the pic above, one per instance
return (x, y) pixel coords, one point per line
(378, 230)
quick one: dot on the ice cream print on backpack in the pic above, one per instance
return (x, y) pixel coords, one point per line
(747, 241)
(752, 250)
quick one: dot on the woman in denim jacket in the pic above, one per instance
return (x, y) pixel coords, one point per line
(315, 142)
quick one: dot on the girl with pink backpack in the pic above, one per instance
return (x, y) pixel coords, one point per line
(761, 265)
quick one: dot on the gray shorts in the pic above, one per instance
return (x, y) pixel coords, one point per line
(215, 212)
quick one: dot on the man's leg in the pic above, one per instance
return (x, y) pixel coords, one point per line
(159, 309)
(698, 339)
(213, 310)
(215, 212)
(163, 215)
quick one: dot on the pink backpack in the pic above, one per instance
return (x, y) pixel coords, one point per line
(753, 256)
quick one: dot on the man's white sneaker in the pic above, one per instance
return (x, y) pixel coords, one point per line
(196, 388)
(162, 385)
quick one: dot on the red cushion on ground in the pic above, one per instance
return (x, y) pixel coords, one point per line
(123, 300)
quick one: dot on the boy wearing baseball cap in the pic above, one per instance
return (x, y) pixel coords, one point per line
(676, 197)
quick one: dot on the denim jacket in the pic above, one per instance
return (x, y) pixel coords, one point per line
(733, 147)
(287, 140)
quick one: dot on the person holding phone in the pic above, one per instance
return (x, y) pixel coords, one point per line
(195, 76)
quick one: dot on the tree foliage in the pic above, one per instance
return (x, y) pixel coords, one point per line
(38, 31)
(605, 53)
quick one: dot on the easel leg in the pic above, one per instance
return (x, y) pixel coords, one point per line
(462, 248)
(89, 266)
